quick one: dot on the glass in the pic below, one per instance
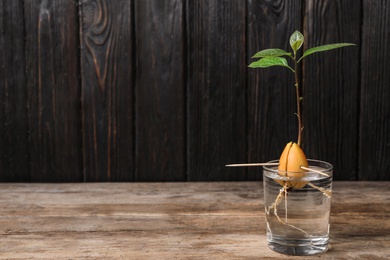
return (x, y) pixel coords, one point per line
(297, 210)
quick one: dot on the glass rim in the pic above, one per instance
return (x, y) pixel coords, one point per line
(327, 170)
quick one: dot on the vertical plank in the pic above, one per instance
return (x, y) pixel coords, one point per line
(14, 164)
(374, 163)
(53, 90)
(216, 112)
(331, 85)
(271, 93)
(107, 90)
(160, 96)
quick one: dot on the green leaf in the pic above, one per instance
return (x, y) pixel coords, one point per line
(296, 41)
(271, 53)
(326, 47)
(269, 62)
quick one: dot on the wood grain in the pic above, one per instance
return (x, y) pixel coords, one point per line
(331, 86)
(271, 93)
(99, 90)
(160, 91)
(216, 112)
(107, 68)
(175, 221)
(53, 90)
(14, 155)
(374, 163)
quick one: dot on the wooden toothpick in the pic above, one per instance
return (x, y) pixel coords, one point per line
(316, 171)
(272, 164)
(251, 164)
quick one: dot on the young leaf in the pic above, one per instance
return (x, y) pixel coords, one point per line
(326, 47)
(296, 41)
(272, 53)
(269, 62)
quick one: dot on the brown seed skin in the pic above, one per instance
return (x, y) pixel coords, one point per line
(290, 162)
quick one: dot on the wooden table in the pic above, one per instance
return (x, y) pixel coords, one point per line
(175, 221)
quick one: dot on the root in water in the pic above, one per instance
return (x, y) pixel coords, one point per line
(283, 193)
(327, 193)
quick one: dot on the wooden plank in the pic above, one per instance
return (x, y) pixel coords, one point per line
(330, 87)
(271, 92)
(374, 163)
(216, 112)
(175, 221)
(160, 91)
(14, 164)
(107, 65)
(53, 90)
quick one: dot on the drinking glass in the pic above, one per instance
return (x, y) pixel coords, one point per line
(297, 210)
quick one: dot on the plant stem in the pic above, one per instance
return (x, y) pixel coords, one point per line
(298, 97)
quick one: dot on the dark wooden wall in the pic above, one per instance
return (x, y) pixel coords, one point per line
(151, 90)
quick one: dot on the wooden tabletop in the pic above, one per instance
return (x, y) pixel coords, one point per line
(175, 221)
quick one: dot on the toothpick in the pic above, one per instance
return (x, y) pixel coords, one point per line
(316, 171)
(251, 164)
(272, 164)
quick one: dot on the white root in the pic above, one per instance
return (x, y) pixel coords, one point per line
(274, 206)
(327, 193)
(283, 193)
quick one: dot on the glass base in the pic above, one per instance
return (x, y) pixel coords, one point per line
(299, 247)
